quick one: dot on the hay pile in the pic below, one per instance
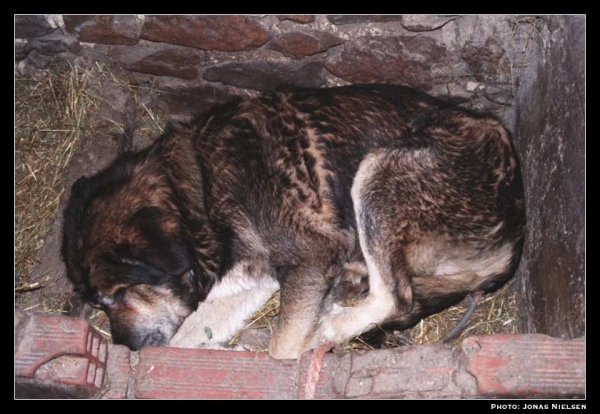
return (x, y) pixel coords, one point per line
(49, 118)
(52, 112)
(496, 314)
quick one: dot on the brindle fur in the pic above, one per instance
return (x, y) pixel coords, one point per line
(265, 191)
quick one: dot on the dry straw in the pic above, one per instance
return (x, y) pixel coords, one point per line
(50, 113)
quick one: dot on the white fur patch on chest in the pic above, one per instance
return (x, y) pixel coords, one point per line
(238, 280)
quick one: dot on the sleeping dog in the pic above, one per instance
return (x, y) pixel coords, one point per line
(294, 190)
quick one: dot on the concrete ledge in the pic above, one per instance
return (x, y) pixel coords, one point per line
(526, 365)
(207, 373)
(56, 356)
(61, 357)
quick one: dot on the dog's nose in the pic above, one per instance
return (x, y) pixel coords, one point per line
(154, 339)
(136, 342)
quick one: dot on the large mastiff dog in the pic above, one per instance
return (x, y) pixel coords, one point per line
(294, 190)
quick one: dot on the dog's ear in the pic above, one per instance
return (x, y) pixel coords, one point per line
(80, 185)
(161, 245)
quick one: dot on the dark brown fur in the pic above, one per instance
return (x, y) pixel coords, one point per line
(267, 183)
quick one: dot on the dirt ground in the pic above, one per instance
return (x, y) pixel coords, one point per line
(73, 122)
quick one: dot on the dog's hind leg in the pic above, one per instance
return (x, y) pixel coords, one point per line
(389, 287)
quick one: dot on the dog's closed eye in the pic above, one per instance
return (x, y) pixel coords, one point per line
(119, 295)
(105, 302)
(100, 301)
(131, 261)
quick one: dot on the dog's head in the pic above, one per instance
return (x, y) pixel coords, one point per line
(126, 253)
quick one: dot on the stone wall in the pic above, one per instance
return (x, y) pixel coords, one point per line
(471, 59)
(529, 70)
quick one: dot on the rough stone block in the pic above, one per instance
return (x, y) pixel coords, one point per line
(404, 60)
(488, 62)
(34, 25)
(159, 59)
(114, 30)
(22, 48)
(226, 33)
(299, 44)
(186, 100)
(266, 75)
(364, 18)
(56, 42)
(425, 22)
(41, 61)
(298, 18)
